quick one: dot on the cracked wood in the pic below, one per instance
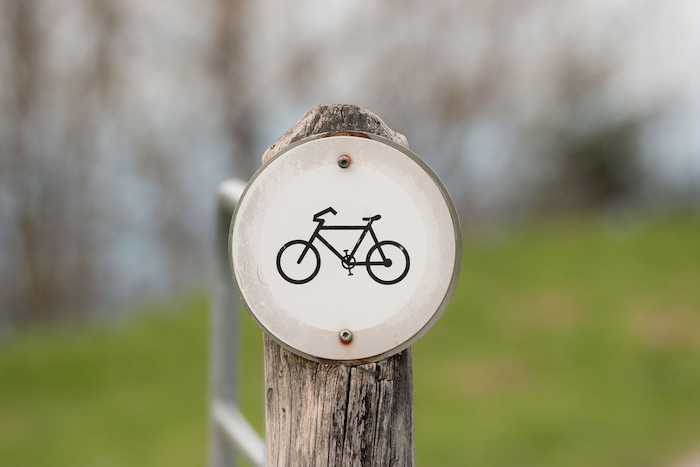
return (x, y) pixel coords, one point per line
(327, 415)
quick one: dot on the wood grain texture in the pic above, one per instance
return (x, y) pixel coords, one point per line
(337, 117)
(319, 414)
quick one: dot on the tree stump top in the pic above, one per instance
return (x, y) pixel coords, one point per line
(331, 118)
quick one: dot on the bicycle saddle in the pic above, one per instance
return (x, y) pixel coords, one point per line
(373, 218)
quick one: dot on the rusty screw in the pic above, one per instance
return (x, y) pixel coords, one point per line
(345, 336)
(344, 162)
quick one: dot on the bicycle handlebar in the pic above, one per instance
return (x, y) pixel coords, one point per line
(317, 216)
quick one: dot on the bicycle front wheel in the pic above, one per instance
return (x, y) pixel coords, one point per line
(295, 269)
(387, 262)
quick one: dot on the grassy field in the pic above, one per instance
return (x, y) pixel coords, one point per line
(567, 344)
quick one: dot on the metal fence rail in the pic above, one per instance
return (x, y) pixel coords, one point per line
(230, 434)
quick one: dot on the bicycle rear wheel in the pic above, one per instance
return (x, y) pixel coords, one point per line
(393, 268)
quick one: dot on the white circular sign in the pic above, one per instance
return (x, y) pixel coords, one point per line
(347, 263)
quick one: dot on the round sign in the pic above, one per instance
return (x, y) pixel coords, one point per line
(345, 248)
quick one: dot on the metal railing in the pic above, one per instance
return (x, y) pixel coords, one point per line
(230, 434)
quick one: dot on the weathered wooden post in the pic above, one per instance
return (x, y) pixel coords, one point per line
(321, 414)
(339, 393)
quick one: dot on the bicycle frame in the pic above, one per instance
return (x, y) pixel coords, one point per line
(365, 229)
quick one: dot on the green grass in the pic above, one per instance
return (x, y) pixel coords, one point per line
(570, 343)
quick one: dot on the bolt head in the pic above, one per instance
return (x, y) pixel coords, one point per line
(345, 336)
(344, 161)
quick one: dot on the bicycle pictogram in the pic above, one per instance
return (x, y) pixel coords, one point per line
(387, 262)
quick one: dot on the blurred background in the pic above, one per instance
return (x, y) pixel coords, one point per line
(568, 134)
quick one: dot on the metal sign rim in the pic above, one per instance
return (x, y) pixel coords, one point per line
(456, 230)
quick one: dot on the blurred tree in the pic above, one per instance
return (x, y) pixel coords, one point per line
(48, 153)
(531, 83)
(118, 118)
(596, 171)
(230, 72)
(70, 94)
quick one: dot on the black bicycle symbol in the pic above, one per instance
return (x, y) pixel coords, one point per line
(378, 260)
